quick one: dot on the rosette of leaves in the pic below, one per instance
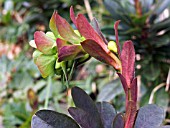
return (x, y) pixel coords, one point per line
(142, 22)
(88, 114)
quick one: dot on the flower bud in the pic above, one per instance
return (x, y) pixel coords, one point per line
(112, 46)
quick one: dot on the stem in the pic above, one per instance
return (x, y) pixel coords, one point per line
(47, 93)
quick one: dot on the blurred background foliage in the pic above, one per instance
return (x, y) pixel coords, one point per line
(23, 90)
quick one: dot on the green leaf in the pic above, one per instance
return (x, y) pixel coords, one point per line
(46, 64)
(52, 119)
(152, 71)
(110, 91)
(66, 31)
(52, 24)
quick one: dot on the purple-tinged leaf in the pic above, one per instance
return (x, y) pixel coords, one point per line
(149, 116)
(96, 51)
(128, 62)
(70, 52)
(60, 43)
(123, 81)
(84, 102)
(84, 119)
(44, 44)
(95, 24)
(134, 90)
(52, 24)
(52, 119)
(88, 32)
(116, 35)
(118, 121)
(107, 113)
(72, 16)
(66, 31)
(45, 64)
(130, 115)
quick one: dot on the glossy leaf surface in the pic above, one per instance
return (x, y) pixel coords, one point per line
(52, 119)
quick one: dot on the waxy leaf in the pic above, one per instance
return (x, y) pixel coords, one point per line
(44, 44)
(70, 52)
(45, 64)
(96, 51)
(60, 43)
(95, 24)
(107, 113)
(118, 121)
(128, 62)
(149, 116)
(84, 102)
(123, 81)
(66, 31)
(52, 119)
(88, 32)
(84, 119)
(52, 24)
(110, 91)
(72, 16)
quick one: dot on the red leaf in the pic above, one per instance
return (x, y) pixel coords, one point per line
(44, 44)
(128, 62)
(60, 43)
(88, 32)
(96, 51)
(72, 16)
(116, 35)
(70, 52)
(66, 31)
(123, 81)
(95, 25)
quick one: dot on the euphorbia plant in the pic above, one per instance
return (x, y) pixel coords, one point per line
(74, 45)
